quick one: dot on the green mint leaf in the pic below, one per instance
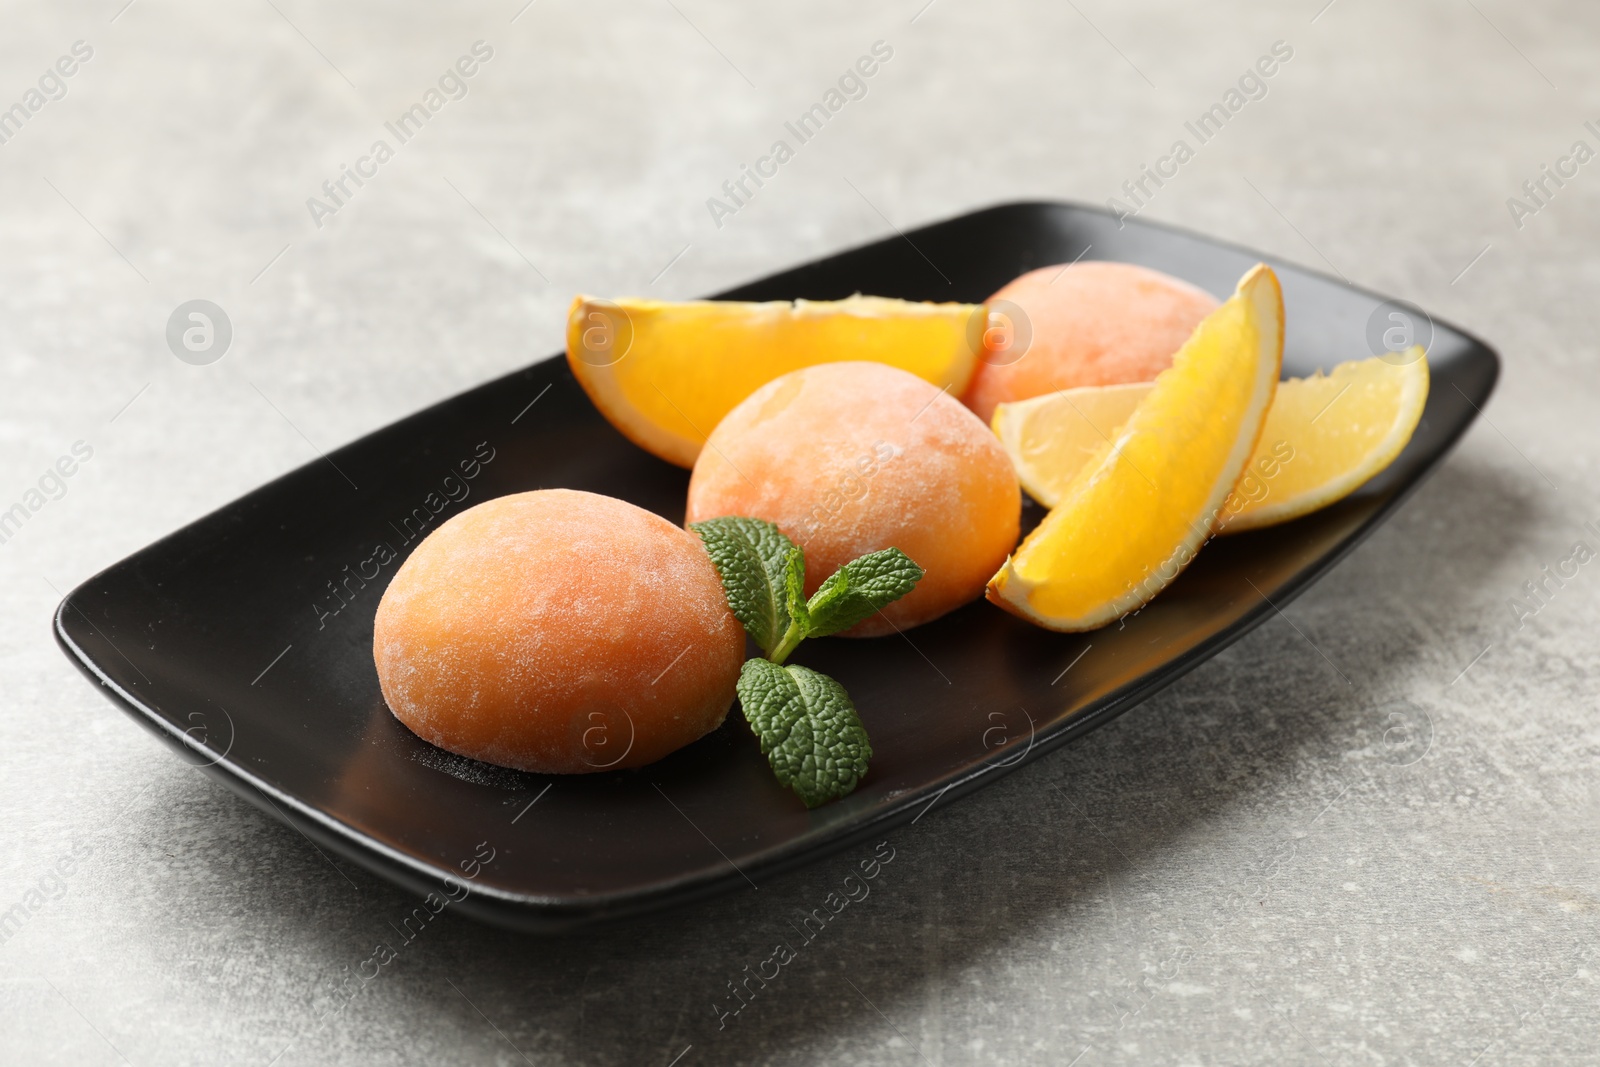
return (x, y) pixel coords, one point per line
(753, 559)
(808, 729)
(860, 588)
(794, 584)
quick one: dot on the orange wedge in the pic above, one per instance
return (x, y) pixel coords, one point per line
(1137, 512)
(1325, 436)
(666, 373)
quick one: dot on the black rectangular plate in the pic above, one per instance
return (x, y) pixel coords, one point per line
(180, 632)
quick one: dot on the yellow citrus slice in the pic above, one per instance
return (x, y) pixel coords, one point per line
(1136, 513)
(666, 373)
(1325, 436)
(1051, 437)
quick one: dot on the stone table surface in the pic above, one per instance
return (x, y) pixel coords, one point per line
(1252, 867)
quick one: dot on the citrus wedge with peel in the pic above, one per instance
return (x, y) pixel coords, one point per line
(1331, 433)
(1135, 514)
(1325, 436)
(666, 373)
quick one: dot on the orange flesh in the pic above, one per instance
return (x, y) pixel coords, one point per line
(666, 373)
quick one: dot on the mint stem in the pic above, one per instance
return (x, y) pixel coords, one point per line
(791, 638)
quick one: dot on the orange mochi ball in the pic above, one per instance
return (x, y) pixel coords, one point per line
(1092, 323)
(851, 458)
(558, 632)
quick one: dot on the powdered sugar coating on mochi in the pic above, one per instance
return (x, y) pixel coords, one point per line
(850, 458)
(558, 632)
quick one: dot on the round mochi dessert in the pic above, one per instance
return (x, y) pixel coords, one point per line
(1091, 323)
(558, 632)
(851, 458)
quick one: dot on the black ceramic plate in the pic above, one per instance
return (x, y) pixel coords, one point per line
(223, 637)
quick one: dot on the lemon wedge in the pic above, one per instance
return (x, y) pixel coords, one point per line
(1325, 436)
(1134, 515)
(1051, 437)
(1328, 435)
(666, 373)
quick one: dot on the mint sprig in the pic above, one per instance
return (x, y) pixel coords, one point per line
(764, 577)
(808, 728)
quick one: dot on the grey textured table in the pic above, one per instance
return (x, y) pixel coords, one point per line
(1365, 834)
